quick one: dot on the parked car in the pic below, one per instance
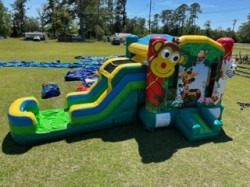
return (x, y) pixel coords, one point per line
(116, 41)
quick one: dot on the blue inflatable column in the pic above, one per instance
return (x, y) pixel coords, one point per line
(130, 39)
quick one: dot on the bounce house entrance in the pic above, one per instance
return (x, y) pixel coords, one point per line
(195, 83)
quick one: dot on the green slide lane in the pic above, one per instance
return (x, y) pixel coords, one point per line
(204, 127)
(197, 123)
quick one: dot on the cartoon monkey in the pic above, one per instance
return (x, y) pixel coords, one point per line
(167, 55)
(161, 66)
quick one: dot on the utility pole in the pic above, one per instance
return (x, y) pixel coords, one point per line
(235, 20)
(149, 17)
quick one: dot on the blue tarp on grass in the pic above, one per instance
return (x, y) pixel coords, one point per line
(86, 61)
(81, 74)
(85, 72)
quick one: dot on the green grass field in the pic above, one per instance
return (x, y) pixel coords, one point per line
(122, 156)
(20, 50)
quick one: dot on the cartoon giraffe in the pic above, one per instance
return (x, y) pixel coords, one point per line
(188, 77)
(162, 58)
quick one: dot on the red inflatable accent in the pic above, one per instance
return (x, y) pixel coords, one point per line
(154, 89)
(228, 44)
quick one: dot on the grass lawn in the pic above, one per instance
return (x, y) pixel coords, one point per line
(122, 156)
(20, 50)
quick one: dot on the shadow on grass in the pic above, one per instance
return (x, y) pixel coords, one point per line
(12, 148)
(156, 146)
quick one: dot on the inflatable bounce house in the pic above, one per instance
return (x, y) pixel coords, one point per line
(163, 80)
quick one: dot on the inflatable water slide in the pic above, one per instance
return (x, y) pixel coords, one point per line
(112, 100)
(165, 80)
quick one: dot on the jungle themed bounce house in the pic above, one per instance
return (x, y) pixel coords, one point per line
(163, 80)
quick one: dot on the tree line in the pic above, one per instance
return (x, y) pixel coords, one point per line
(100, 18)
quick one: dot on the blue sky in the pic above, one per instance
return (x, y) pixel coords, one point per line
(221, 13)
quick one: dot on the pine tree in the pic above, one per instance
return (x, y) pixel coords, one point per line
(19, 17)
(5, 21)
(120, 15)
